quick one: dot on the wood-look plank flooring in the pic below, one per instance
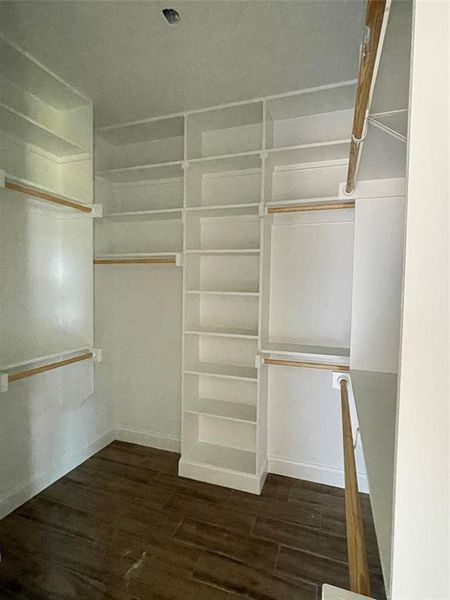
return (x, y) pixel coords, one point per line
(124, 526)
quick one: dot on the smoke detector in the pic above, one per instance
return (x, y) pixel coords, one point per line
(172, 16)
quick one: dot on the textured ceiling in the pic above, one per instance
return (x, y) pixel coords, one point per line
(133, 65)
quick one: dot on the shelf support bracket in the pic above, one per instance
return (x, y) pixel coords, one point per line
(4, 384)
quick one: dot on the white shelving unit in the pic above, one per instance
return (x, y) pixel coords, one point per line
(46, 195)
(199, 185)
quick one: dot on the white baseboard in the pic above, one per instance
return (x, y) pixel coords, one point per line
(152, 440)
(238, 480)
(313, 472)
(27, 489)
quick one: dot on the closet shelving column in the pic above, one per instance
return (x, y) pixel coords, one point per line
(140, 183)
(222, 246)
(46, 210)
(308, 232)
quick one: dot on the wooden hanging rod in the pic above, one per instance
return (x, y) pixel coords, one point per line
(375, 14)
(309, 207)
(16, 187)
(304, 364)
(356, 545)
(49, 367)
(136, 261)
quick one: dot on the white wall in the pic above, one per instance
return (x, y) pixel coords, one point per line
(305, 427)
(421, 525)
(51, 422)
(138, 325)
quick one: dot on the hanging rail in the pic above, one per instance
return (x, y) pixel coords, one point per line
(29, 191)
(356, 546)
(136, 261)
(376, 17)
(7, 378)
(309, 207)
(303, 364)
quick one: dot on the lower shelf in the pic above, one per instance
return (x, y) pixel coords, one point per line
(221, 408)
(223, 457)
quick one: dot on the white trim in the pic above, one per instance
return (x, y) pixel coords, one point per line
(315, 472)
(238, 480)
(38, 482)
(160, 441)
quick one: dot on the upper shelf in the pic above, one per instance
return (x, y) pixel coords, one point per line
(227, 130)
(317, 116)
(143, 172)
(146, 142)
(18, 66)
(28, 130)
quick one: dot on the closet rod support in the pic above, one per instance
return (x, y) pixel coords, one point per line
(304, 364)
(309, 207)
(6, 378)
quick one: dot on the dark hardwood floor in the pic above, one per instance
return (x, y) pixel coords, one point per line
(124, 526)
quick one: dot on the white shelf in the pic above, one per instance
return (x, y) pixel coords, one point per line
(143, 131)
(223, 293)
(157, 214)
(309, 145)
(222, 457)
(308, 352)
(145, 172)
(224, 371)
(225, 210)
(223, 409)
(29, 131)
(304, 201)
(223, 332)
(203, 159)
(217, 252)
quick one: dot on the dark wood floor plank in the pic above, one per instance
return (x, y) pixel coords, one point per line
(259, 553)
(304, 514)
(248, 581)
(210, 510)
(124, 526)
(312, 567)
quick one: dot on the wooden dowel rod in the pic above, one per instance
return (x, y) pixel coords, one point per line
(309, 207)
(356, 545)
(304, 364)
(375, 11)
(134, 261)
(49, 367)
(16, 187)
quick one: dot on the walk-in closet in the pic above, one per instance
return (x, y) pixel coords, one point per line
(212, 327)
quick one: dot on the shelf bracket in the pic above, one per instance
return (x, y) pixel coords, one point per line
(338, 377)
(4, 382)
(97, 354)
(259, 360)
(179, 259)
